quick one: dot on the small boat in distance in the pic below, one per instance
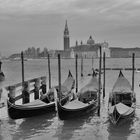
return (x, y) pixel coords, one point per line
(84, 103)
(39, 106)
(122, 101)
(96, 72)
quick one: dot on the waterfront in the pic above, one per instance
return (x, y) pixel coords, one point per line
(49, 126)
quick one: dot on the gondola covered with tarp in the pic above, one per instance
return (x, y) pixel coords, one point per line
(122, 101)
(84, 103)
(40, 106)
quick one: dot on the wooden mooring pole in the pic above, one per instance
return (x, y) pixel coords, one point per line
(100, 65)
(92, 61)
(133, 70)
(104, 75)
(12, 94)
(22, 64)
(81, 66)
(76, 69)
(36, 88)
(49, 70)
(59, 76)
(26, 93)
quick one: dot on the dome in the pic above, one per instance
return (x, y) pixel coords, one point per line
(90, 41)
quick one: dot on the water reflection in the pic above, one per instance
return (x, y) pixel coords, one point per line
(7, 128)
(67, 128)
(33, 126)
(121, 132)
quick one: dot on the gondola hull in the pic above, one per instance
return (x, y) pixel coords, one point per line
(38, 107)
(121, 118)
(122, 101)
(19, 111)
(86, 102)
(65, 113)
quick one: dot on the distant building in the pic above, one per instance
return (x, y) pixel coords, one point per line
(66, 38)
(117, 52)
(105, 48)
(72, 55)
(88, 50)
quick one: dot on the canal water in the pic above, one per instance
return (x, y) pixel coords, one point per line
(48, 126)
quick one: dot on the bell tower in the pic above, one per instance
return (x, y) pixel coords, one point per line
(66, 38)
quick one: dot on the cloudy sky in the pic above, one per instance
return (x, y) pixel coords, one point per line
(40, 23)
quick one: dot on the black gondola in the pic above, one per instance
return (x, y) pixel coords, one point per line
(34, 108)
(87, 101)
(38, 107)
(122, 101)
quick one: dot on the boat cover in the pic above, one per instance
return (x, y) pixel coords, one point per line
(91, 86)
(35, 103)
(75, 104)
(122, 85)
(122, 109)
(67, 85)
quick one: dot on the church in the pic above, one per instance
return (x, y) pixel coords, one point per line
(88, 50)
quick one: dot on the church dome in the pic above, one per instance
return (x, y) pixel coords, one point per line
(90, 41)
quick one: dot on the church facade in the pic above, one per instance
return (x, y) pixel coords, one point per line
(88, 50)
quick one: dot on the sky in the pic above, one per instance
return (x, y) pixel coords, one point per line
(40, 23)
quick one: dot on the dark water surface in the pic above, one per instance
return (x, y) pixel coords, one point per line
(48, 126)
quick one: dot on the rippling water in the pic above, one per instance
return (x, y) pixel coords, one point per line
(48, 126)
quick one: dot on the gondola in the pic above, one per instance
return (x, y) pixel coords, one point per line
(34, 108)
(66, 88)
(38, 106)
(85, 102)
(122, 101)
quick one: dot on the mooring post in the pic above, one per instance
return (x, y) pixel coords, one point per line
(43, 87)
(100, 65)
(92, 62)
(22, 64)
(36, 88)
(12, 94)
(104, 75)
(76, 68)
(49, 70)
(59, 76)
(25, 93)
(81, 66)
(133, 70)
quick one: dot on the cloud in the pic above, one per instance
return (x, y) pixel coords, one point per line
(37, 6)
(26, 22)
(108, 8)
(121, 8)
